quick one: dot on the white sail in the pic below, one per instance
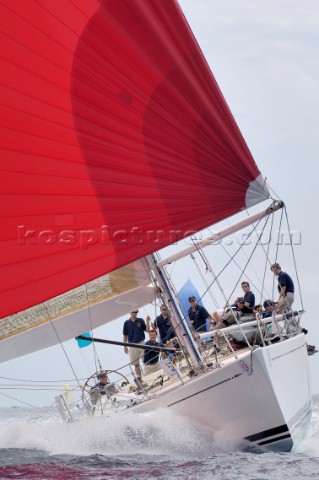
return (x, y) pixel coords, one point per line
(82, 309)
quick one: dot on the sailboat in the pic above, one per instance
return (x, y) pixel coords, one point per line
(116, 143)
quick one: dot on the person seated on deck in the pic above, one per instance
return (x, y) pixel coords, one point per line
(151, 357)
(240, 304)
(224, 318)
(269, 307)
(217, 315)
(228, 317)
(251, 334)
(249, 296)
(257, 311)
(231, 315)
(100, 388)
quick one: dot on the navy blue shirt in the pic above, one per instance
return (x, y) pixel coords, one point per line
(246, 310)
(134, 330)
(266, 314)
(250, 298)
(151, 357)
(243, 310)
(101, 387)
(165, 328)
(284, 280)
(199, 317)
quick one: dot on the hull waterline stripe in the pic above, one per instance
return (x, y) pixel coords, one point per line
(205, 389)
(276, 439)
(267, 433)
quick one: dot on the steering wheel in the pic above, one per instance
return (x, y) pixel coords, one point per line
(91, 381)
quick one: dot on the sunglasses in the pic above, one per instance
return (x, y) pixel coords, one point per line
(192, 300)
(135, 311)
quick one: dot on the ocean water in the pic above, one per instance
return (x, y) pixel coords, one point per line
(157, 445)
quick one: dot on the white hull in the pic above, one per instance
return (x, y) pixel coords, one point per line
(262, 396)
(268, 404)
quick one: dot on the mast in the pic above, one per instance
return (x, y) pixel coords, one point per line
(222, 234)
(179, 323)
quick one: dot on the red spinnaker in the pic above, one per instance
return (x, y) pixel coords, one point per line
(115, 141)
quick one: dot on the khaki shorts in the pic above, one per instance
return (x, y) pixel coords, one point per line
(285, 302)
(136, 354)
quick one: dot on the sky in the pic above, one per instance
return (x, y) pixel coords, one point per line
(264, 57)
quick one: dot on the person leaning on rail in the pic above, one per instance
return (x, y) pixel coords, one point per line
(286, 289)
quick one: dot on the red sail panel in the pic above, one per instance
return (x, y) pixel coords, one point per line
(115, 141)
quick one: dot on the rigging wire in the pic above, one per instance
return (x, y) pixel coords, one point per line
(294, 258)
(34, 389)
(208, 268)
(252, 253)
(37, 381)
(276, 254)
(251, 282)
(95, 354)
(28, 404)
(291, 245)
(87, 367)
(232, 257)
(273, 191)
(228, 263)
(229, 255)
(267, 258)
(171, 272)
(245, 254)
(61, 344)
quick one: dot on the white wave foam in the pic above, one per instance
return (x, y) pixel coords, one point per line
(161, 432)
(310, 445)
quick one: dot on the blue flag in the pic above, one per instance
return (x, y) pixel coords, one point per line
(83, 343)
